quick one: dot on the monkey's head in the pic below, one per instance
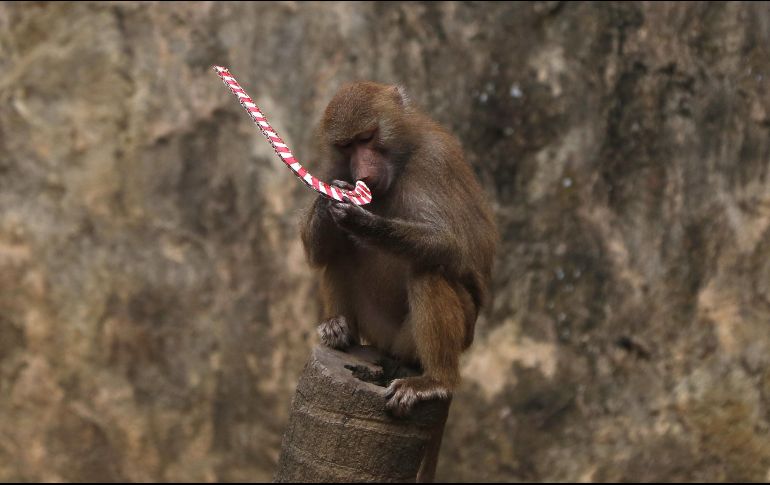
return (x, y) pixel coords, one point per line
(365, 134)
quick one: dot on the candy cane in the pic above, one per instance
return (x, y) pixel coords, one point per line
(361, 195)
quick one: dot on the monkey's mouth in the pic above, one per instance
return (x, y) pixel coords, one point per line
(371, 184)
(377, 185)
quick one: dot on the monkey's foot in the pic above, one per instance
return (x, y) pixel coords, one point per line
(403, 394)
(335, 333)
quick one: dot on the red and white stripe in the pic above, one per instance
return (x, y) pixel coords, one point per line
(361, 195)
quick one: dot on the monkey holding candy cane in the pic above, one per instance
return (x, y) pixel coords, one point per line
(409, 272)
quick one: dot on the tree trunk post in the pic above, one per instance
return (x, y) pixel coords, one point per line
(339, 430)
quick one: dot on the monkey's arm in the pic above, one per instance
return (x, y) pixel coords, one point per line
(321, 237)
(429, 243)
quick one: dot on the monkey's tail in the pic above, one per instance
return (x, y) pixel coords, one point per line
(427, 471)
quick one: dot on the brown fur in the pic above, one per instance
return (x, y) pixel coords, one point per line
(410, 271)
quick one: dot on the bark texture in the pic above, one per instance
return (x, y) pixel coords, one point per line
(339, 430)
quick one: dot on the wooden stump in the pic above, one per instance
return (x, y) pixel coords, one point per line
(339, 430)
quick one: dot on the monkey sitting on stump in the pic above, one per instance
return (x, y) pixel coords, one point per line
(408, 273)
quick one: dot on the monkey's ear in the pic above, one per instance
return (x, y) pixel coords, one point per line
(399, 92)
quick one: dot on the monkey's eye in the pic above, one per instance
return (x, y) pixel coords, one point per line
(345, 145)
(366, 136)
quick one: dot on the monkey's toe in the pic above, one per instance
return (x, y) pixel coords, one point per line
(403, 394)
(335, 333)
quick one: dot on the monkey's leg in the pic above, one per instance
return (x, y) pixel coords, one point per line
(437, 321)
(340, 330)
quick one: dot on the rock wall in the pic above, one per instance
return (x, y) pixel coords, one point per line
(156, 308)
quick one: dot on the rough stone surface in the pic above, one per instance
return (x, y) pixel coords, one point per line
(156, 308)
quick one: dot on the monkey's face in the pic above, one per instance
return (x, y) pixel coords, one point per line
(367, 161)
(364, 130)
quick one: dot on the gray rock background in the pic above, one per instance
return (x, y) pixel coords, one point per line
(156, 308)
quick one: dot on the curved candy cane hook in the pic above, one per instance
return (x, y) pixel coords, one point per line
(361, 195)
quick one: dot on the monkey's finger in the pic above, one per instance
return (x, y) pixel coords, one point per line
(338, 211)
(392, 388)
(389, 392)
(402, 401)
(343, 185)
(354, 210)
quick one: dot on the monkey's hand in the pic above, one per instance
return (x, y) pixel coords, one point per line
(341, 184)
(403, 394)
(351, 217)
(335, 333)
(321, 235)
(324, 204)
